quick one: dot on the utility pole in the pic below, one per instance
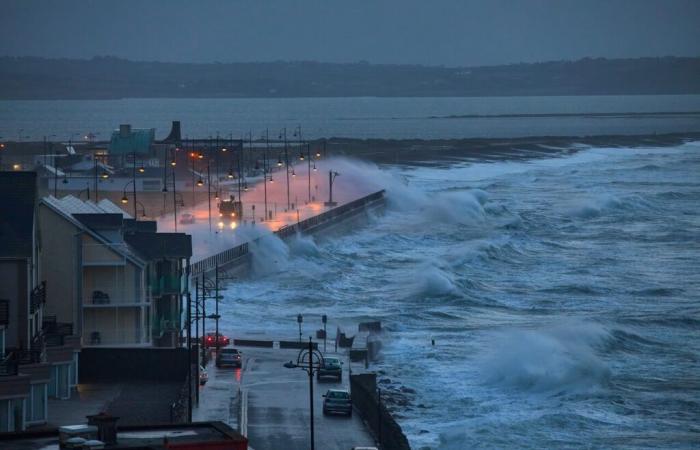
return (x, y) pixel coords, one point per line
(267, 149)
(311, 391)
(216, 306)
(286, 163)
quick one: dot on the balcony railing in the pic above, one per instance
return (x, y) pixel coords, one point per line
(54, 332)
(4, 312)
(9, 366)
(37, 297)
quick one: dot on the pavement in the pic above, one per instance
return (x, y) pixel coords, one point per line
(269, 403)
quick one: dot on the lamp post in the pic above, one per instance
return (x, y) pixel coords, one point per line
(286, 163)
(324, 319)
(267, 149)
(331, 179)
(311, 361)
(125, 200)
(300, 319)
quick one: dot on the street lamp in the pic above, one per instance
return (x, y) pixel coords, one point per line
(331, 178)
(324, 319)
(311, 361)
(125, 200)
(300, 319)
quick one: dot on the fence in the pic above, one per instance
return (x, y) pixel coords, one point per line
(232, 254)
(366, 399)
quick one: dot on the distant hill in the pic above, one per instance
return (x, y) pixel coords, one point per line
(108, 77)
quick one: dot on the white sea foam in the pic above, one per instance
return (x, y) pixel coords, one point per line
(559, 358)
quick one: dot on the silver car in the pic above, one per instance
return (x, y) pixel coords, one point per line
(337, 401)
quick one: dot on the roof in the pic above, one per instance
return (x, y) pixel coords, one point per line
(187, 435)
(101, 221)
(83, 214)
(17, 213)
(73, 205)
(161, 245)
(135, 141)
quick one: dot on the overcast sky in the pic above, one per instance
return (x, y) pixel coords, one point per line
(435, 32)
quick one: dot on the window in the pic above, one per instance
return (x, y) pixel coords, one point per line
(59, 385)
(12, 415)
(36, 411)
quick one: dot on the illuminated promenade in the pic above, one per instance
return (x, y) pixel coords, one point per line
(212, 233)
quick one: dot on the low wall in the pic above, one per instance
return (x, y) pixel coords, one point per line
(127, 364)
(297, 344)
(252, 343)
(385, 429)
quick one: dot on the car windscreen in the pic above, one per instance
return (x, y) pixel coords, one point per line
(338, 395)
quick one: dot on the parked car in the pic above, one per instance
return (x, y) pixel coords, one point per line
(186, 218)
(229, 357)
(203, 376)
(211, 338)
(337, 401)
(331, 367)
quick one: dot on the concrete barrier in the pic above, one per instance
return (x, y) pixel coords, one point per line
(252, 343)
(365, 399)
(298, 345)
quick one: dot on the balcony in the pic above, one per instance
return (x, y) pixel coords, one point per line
(9, 366)
(55, 333)
(37, 298)
(4, 312)
(165, 285)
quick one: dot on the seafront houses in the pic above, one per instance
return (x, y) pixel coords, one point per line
(38, 356)
(119, 280)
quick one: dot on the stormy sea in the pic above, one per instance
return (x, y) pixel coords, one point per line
(561, 293)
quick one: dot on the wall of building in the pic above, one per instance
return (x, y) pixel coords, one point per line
(58, 265)
(128, 364)
(13, 287)
(115, 325)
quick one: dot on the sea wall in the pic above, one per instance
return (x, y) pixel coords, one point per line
(239, 256)
(366, 400)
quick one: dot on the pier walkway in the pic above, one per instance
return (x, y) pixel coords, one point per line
(221, 241)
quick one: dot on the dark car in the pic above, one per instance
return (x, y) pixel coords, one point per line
(337, 401)
(211, 338)
(331, 367)
(229, 357)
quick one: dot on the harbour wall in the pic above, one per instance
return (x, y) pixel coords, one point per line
(237, 258)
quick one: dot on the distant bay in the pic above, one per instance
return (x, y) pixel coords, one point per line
(358, 117)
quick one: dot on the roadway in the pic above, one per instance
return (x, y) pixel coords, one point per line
(275, 401)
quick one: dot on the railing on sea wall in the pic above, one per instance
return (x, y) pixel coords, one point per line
(232, 254)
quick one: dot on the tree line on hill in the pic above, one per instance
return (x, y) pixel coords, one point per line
(110, 77)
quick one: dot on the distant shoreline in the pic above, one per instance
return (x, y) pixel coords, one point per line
(446, 151)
